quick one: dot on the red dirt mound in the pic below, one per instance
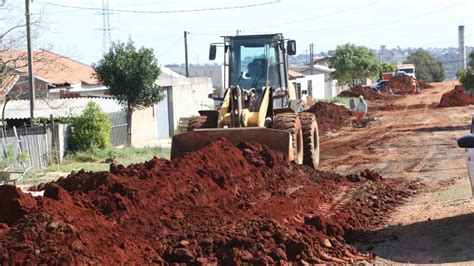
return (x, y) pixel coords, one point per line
(456, 97)
(399, 84)
(367, 92)
(221, 204)
(330, 116)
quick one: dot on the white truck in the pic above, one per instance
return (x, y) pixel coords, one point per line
(409, 69)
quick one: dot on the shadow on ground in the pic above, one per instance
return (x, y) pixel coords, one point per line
(434, 129)
(447, 240)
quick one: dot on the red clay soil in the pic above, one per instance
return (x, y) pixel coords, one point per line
(456, 97)
(330, 116)
(222, 204)
(399, 84)
(367, 92)
(387, 107)
(423, 85)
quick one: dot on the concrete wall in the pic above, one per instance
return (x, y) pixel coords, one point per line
(143, 126)
(187, 96)
(318, 91)
(333, 88)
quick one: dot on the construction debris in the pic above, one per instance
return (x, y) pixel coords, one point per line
(222, 204)
(456, 97)
(330, 116)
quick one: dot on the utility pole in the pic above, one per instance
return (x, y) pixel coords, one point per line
(237, 32)
(311, 57)
(186, 52)
(31, 81)
(461, 48)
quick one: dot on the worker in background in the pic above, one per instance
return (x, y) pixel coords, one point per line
(413, 87)
(361, 111)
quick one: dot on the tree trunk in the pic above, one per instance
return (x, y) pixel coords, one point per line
(129, 126)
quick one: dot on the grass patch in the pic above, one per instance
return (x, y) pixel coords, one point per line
(337, 100)
(340, 100)
(94, 161)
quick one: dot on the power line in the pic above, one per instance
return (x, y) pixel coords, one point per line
(382, 23)
(317, 17)
(165, 11)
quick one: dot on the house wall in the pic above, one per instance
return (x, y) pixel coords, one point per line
(21, 88)
(188, 96)
(318, 89)
(333, 88)
(143, 126)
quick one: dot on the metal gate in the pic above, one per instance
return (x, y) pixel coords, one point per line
(118, 132)
(163, 116)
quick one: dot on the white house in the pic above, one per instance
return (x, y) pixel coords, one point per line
(321, 66)
(312, 85)
(184, 97)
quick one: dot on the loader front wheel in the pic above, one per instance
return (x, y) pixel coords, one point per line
(202, 121)
(290, 122)
(309, 126)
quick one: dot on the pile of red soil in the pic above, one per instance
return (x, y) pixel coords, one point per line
(330, 116)
(367, 92)
(456, 97)
(222, 204)
(398, 84)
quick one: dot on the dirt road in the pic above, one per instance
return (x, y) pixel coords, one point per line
(417, 140)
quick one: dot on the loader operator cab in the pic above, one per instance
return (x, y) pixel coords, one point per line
(254, 62)
(259, 104)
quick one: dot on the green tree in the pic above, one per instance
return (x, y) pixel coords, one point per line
(354, 63)
(385, 67)
(130, 75)
(91, 129)
(466, 76)
(427, 68)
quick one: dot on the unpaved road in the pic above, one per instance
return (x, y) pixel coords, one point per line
(417, 141)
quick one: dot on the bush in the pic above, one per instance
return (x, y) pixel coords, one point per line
(466, 76)
(91, 130)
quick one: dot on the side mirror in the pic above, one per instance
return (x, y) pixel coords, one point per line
(212, 52)
(466, 141)
(291, 47)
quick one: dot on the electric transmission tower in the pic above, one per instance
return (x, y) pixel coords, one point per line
(106, 29)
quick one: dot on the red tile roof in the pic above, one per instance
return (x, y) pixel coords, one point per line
(52, 67)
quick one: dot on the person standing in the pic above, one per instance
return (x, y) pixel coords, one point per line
(361, 111)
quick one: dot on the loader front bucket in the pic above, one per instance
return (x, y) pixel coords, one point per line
(277, 140)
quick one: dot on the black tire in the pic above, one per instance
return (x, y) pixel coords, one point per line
(201, 121)
(309, 126)
(290, 122)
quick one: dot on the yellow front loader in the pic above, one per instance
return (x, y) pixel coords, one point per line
(259, 105)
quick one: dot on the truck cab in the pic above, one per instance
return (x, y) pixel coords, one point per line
(409, 69)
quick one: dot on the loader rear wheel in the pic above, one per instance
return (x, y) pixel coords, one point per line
(290, 122)
(310, 139)
(202, 121)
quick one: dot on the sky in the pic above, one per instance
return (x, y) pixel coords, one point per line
(73, 27)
